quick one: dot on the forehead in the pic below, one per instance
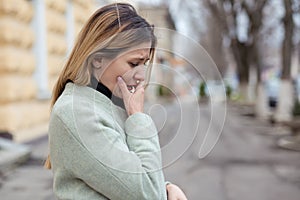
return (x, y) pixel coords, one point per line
(140, 51)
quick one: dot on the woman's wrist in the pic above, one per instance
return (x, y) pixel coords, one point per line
(134, 112)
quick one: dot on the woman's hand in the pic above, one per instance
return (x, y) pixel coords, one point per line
(174, 192)
(134, 102)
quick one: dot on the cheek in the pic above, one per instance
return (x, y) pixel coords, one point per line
(119, 69)
(113, 71)
(110, 75)
(122, 69)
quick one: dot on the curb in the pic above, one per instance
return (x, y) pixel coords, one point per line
(12, 155)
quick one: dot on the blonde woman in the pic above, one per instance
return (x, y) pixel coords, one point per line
(102, 145)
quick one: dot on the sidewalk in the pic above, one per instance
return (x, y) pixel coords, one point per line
(245, 163)
(30, 180)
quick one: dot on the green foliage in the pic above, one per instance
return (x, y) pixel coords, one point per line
(228, 91)
(236, 97)
(164, 91)
(202, 87)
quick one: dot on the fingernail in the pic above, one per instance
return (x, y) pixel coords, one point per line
(119, 78)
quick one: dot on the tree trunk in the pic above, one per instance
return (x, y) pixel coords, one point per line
(287, 45)
(240, 53)
(214, 45)
(261, 104)
(244, 92)
(285, 101)
(286, 97)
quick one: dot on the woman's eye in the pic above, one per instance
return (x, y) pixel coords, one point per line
(133, 64)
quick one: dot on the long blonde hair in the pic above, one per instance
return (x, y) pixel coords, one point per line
(110, 31)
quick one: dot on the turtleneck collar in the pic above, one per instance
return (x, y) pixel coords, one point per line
(100, 87)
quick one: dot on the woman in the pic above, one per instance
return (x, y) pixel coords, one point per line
(102, 145)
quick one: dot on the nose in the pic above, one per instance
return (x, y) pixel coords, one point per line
(140, 73)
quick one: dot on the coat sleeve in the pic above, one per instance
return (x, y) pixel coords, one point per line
(116, 168)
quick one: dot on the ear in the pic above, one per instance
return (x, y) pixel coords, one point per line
(97, 63)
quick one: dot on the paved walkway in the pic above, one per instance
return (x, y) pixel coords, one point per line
(244, 164)
(30, 180)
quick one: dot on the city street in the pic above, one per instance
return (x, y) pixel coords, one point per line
(244, 164)
(192, 56)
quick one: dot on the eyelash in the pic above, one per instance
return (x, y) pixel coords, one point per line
(137, 64)
(133, 64)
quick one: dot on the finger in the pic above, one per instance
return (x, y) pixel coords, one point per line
(122, 85)
(140, 85)
(171, 197)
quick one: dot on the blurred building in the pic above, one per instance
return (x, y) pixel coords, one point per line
(162, 73)
(35, 38)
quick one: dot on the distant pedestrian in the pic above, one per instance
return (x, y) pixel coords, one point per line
(102, 145)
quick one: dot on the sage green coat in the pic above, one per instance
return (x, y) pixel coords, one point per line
(98, 152)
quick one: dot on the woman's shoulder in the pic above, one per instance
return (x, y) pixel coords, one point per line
(83, 102)
(76, 96)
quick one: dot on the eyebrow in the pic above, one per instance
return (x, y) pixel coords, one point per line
(141, 59)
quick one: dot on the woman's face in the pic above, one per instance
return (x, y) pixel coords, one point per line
(130, 65)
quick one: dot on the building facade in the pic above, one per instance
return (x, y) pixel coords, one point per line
(35, 38)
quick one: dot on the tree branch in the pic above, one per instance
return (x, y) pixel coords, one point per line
(219, 14)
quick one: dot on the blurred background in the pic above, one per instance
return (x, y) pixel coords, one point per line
(226, 80)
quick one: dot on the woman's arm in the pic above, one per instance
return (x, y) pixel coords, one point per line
(97, 155)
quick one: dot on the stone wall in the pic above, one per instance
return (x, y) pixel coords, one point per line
(22, 113)
(56, 38)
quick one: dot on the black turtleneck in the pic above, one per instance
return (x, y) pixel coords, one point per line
(100, 87)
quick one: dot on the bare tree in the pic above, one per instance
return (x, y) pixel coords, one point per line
(287, 44)
(245, 50)
(212, 41)
(286, 98)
